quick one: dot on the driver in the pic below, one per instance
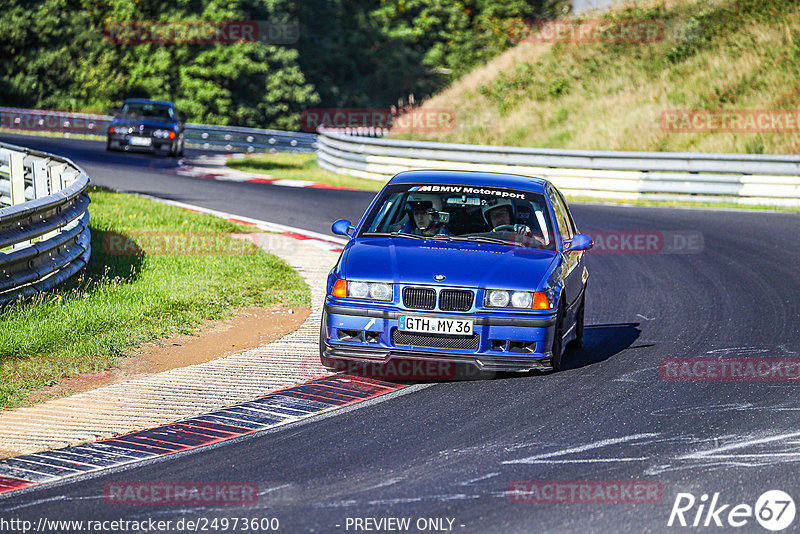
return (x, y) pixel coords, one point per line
(425, 216)
(500, 215)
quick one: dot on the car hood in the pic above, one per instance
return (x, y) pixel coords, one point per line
(464, 264)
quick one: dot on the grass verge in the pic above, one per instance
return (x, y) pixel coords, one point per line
(155, 270)
(299, 166)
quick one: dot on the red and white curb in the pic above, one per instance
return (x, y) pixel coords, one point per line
(269, 411)
(214, 167)
(322, 241)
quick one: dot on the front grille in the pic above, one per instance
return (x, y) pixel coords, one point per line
(435, 341)
(419, 298)
(455, 300)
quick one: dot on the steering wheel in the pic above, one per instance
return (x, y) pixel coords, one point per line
(504, 228)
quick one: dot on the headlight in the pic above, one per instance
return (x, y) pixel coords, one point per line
(163, 134)
(363, 290)
(523, 300)
(497, 299)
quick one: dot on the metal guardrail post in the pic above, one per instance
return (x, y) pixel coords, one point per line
(41, 180)
(54, 171)
(16, 171)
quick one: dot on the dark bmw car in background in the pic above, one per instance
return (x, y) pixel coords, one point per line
(147, 125)
(458, 267)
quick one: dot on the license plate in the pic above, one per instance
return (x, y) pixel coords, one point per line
(141, 141)
(436, 325)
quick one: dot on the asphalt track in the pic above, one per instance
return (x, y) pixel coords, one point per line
(454, 449)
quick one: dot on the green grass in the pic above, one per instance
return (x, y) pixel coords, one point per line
(299, 166)
(122, 301)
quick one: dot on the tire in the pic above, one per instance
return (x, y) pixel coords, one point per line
(579, 321)
(180, 152)
(108, 146)
(558, 340)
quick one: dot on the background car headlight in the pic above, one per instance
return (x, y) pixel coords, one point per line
(163, 134)
(366, 290)
(497, 298)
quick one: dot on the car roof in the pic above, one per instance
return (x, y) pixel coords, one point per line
(148, 101)
(477, 178)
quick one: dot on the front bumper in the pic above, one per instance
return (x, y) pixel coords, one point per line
(157, 144)
(500, 342)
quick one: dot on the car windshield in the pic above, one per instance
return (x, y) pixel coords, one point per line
(462, 213)
(146, 110)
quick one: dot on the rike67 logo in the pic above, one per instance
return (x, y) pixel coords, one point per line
(774, 510)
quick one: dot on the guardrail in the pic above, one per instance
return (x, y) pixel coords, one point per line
(44, 233)
(693, 177)
(205, 136)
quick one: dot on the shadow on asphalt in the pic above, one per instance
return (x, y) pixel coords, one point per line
(601, 342)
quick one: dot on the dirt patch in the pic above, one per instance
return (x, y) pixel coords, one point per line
(250, 328)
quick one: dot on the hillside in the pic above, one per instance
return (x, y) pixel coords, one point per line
(739, 56)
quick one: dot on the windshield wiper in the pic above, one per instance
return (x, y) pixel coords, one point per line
(479, 239)
(394, 234)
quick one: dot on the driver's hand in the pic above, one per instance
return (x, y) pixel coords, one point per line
(522, 229)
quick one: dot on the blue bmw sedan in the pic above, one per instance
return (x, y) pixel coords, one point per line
(458, 267)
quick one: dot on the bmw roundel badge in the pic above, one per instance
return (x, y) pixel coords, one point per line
(439, 277)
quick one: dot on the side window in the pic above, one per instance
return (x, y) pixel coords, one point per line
(561, 217)
(570, 220)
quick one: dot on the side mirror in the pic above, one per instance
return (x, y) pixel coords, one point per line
(343, 227)
(580, 242)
